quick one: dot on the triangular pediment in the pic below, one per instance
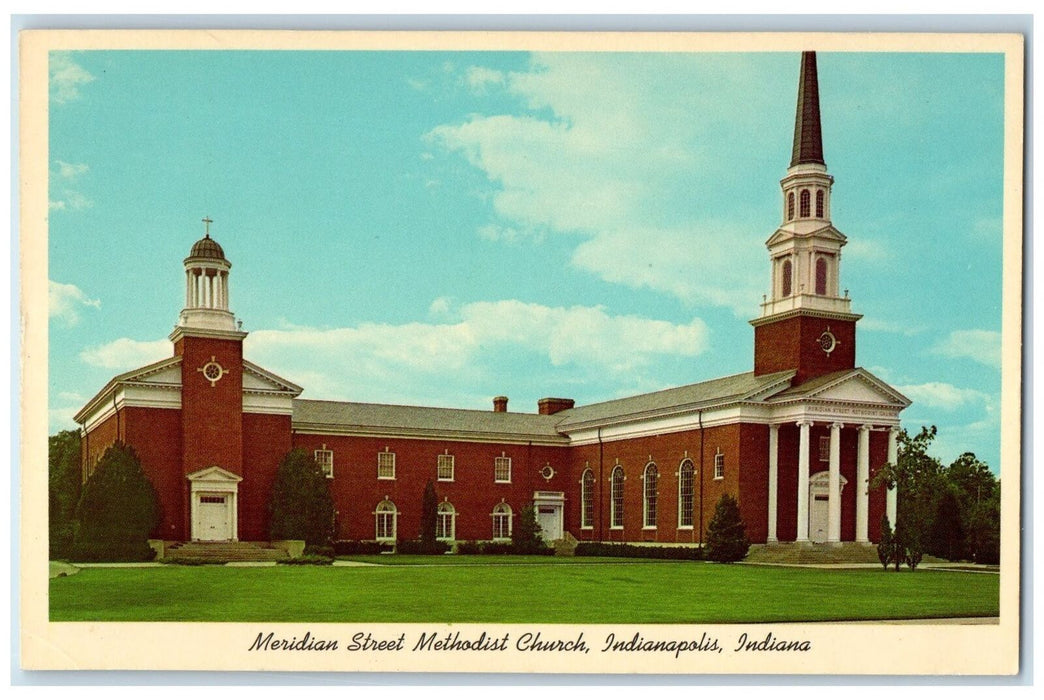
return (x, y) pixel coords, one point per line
(214, 475)
(855, 386)
(257, 378)
(827, 232)
(166, 371)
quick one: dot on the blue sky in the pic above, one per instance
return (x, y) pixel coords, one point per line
(440, 228)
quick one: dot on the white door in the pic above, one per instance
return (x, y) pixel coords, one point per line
(212, 518)
(550, 520)
(819, 517)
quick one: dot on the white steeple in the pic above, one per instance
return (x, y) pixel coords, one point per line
(206, 287)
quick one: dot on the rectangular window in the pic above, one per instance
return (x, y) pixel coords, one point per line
(445, 470)
(719, 466)
(324, 458)
(212, 499)
(385, 465)
(502, 470)
(824, 449)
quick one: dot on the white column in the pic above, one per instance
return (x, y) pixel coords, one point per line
(892, 497)
(188, 288)
(834, 497)
(802, 485)
(218, 291)
(773, 480)
(863, 485)
(224, 290)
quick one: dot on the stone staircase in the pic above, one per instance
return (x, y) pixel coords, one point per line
(565, 547)
(223, 552)
(791, 553)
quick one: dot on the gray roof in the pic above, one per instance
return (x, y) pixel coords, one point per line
(736, 387)
(424, 421)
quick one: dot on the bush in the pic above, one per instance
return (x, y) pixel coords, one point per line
(421, 547)
(429, 516)
(500, 548)
(308, 560)
(345, 548)
(117, 510)
(525, 535)
(301, 507)
(607, 549)
(886, 547)
(318, 551)
(726, 534)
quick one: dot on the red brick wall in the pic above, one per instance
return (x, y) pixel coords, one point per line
(753, 481)
(266, 440)
(878, 458)
(793, 343)
(100, 437)
(155, 434)
(357, 490)
(211, 415)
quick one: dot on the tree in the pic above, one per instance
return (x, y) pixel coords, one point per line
(301, 507)
(984, 529)
(726, 534)
(64, 484)
(886, 547)
(947, 533)
(429, 516)
(918, 477)
(978, 496)
(117, 509)
(526, 533)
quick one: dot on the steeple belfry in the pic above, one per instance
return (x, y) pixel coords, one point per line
(805, 256)
(206, 287)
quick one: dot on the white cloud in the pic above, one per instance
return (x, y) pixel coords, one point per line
(67, 77)
(944, 396)
(415, 362)
(65, 301)
(480, 78)
(71, 170)
(982, 346)
(612, 159)
(125, 354)
(70, 199)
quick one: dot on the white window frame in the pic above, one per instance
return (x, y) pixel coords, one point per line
(682, 525)
(446, 514)
(386, 456)
(442, 463)
(616, 513)
(587, 500)
(649, 500)
(502, 511)
(385, 511)
(719, 466)
(324, 458)
(499, 464)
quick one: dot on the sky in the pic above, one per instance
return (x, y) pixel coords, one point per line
(438, 228)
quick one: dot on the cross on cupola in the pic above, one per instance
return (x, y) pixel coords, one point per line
(207, 221)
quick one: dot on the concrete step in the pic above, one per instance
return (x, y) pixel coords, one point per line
(224, 551)
(793, 553)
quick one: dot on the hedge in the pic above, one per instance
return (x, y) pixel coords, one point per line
(501, 548)
(606, 549)
(421, 547)
(111, 551)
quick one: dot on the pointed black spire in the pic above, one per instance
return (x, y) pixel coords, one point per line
(808, 134)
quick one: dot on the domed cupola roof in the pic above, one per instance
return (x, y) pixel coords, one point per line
(207, 247)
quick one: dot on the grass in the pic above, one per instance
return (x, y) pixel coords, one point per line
(531, 590)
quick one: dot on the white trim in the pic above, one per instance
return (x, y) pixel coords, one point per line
(214, 481)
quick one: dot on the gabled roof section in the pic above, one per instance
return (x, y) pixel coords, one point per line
(163, 373)
(214, 474)
(256, 378)
(715, 392)
(828, 232)
(424, 421)
(850, 385)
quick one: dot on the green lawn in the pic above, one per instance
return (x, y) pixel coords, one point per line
(518, 590)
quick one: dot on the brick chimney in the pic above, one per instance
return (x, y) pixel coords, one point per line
(500, 404)
(550, 405)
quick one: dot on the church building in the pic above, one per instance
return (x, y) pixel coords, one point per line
(795, 440)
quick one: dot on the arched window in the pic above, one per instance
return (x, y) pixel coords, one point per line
(821, 276)
(502, 521)
(587, 499)
(386, 516)
(819, 204)
(787, 274)
(806, 204)
(790, 206)
(616, 497)
(446, 524)
(649, 496)
(685, 493)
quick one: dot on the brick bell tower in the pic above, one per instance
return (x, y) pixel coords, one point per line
(211, 349)
(805, 323)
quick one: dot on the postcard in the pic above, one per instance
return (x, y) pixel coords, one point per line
(521, 352)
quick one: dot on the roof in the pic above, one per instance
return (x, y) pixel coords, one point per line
(424, 421)
(207, 247)
(737, 387)
(132, 375)
(808, 133)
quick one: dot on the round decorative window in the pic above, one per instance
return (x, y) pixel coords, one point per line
(213, 371)
(548, 472)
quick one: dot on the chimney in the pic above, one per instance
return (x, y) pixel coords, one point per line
(500, 404)
(549, 405)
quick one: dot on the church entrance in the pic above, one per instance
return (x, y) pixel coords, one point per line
(819, 505)
(214, 505)
(549, 508)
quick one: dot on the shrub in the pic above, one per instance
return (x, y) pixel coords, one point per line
(525, 535)
(343, 548)
(429, 515)
(301, 507)
(608, 549)
(312, 550)
(308, 560)
(886, 547)
(726, 534)
(117, 510)
(495, 548)
(421, 547)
